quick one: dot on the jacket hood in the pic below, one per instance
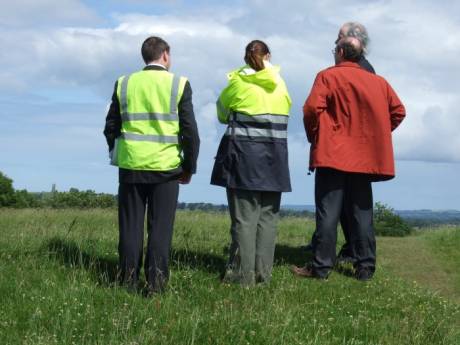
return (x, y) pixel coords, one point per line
(268, 78)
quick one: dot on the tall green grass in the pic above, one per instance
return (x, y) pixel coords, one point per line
(58, 286)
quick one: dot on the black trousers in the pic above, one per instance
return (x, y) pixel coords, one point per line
(161, 202)
(346, 252)
(336, 190)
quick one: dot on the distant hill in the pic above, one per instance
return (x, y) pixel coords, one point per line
(310, 208)
(428, 217)
(429, 214)
(414, 217)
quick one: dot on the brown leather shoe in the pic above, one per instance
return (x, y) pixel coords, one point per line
(305, 272)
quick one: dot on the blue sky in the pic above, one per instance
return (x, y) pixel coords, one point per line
(60, 60)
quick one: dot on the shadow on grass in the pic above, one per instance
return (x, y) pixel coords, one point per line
(299, 256)
(284, 255)
(345, 269)
(103, 270)
(287, 255)
(212, 263)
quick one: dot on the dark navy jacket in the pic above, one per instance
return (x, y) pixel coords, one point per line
(252, 163)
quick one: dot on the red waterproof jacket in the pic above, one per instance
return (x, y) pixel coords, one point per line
(348, 118)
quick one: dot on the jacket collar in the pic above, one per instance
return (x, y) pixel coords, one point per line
(348, 64)
(154, 68)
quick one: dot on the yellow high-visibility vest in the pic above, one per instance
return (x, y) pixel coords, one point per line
(149, 137)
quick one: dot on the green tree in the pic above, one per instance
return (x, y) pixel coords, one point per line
(6, 190)
(388, 223)
(24, 199)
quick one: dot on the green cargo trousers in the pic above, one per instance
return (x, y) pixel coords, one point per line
(254, 216)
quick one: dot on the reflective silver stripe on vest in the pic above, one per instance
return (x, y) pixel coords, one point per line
(172, 116)
(174, 93)
(124, 95)
(257, 132)
(164, 139)
(262, 118)
(149, 117)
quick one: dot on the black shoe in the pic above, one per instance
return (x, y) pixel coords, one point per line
(364, 274)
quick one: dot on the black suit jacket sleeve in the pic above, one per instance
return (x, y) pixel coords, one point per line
(190, 140)
(113, 121)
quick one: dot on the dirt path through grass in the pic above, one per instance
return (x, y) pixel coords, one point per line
(413, 259)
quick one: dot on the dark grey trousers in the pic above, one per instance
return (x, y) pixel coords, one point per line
(335, 190)
(161, 201)
(254, 217)
(346, 252)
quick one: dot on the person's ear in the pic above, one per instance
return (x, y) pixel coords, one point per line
(341, 53)
(166, 57)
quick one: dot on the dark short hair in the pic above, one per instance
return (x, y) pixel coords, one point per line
(152, 48)
(350, 52)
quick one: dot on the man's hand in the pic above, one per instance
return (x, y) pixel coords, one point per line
(185, 178)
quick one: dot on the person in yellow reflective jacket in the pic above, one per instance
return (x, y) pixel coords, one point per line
(153, 138)
(252, 162)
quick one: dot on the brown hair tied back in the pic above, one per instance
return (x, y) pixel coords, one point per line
(255, 52)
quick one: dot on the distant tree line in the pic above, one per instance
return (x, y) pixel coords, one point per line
(9, 197)
(201, 206)
(208, 207)
(297, 213)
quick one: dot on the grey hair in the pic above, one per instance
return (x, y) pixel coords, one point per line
(358, 30)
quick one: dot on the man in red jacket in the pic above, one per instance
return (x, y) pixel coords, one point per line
(358, 31)
(348, 117)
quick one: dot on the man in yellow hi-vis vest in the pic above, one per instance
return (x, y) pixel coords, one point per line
(153, 138)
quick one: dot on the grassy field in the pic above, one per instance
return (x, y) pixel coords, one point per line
(58, 286)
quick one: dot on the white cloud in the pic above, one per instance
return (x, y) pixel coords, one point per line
(137, 24)
(32, 13)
